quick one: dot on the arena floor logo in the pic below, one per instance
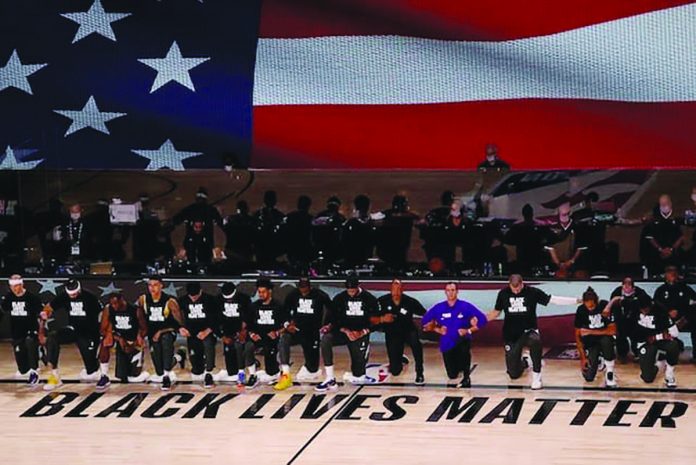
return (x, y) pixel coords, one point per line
(358, 406)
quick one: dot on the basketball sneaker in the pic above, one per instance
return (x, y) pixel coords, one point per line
(328, 385)
(465, 383)
(241, 380)
(252, 382)
(53, 382)
(420, 379)
(180, 357)
(536, 380)
(156, 379)
(223, 376)
(265, 378)
(166, 383)
(610, 379)
(405, 360)
(305, 375)
(103, 383)
(208, 381)
(89, 377)
(284, 382)
(364, 379)
(33, 378)
(143, 377)
(670, 380)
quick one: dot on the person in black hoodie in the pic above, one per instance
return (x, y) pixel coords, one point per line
(678, 299)
(349, 324)
(233, 306)
(631, 296)
(653, 331)
(199, 310)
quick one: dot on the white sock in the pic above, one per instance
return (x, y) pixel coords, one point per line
(285, 369)
(104, 367)
(669, 371)
(167, 373)
(252, 369)
(609, 365)
(330, 373)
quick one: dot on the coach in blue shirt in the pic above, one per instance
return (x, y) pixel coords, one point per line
(455, 320)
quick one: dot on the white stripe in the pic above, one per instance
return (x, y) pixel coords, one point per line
(644, 58)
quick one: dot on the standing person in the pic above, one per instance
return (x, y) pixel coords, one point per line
(23, 309)
(348, 324)
(76, 236)
(629, 304)
(357, 234)
(73, 315)
(233, 307)
(677, 298)
(164, 319)
(529, 238)
(492, 162)
(653, 332)
(455, 321)
(326, 231)
(394, 233)
(595, 328)
(308, 308)
(199, 310)
(200, 218)
(123, 326)
(266, 322)
(520, 330)
(664, 237)
(268, 245)
(297, 233)
(396, 312)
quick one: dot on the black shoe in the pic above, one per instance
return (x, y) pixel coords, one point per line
(420, 379)
(208, 381)
(405, 360)
(465, 383)
(181, 352)
(166, 383)
(103, 383)
(252, 382)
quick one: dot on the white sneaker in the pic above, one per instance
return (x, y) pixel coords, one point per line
(265, 378)
(173, 377)
(536, 380)
(610, 379)
(143, 377)
(223, 376)
(305, 375)
(197, 378)
(601, 366)
(156, 379)
(19, 375)
(89, 378)
(670, 380)
(364, 379)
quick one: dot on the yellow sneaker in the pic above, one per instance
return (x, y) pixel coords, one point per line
(284, 382)
(52, 383)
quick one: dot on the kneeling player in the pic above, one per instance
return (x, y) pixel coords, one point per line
(200, 319)
(595, 328)
(23, 309)
(233, 307)
(455, 321)
(122, 325)
(653, 332)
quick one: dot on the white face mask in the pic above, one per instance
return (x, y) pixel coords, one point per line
(665, 210)
(75, 216)
(693, 197)
(456, 213)
(490, 158)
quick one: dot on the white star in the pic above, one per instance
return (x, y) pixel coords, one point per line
(95, 20)
(14, 74)
(110, 289)
(48, 285)
(167, 156)
(10, 162)
(89, 117)
(173, 67)
(172, 290)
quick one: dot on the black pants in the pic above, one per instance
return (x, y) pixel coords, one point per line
(87, 344)
(310, 342)
(162, 352)
(458, 359)
(270, 353)
(396, 340)
(26, 352)
(623, 341)
(594, 347)
(359, 350)
(201, 353)
(513, 353)
(234, 355)
(128, 364)
(648, 357)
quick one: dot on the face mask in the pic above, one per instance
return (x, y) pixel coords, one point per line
(693, 197)
(564, 217)
(628, 293)
(665, 210)
(456, 213)
(490, 158)
(75, 216)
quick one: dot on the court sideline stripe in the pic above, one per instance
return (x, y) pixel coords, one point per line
(314, 436)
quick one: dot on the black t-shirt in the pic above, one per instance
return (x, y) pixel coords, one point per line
(584, 319)
(675, 296)
(124, 323)
(23, 313)
(630, 304)
(82, 311)
(264, 318)
(158, 314)
(665, 231)
(520, 310)
(353, 312)
(403, 312)
(233, 312)
(648, 324)
(307, 312)
(199, 315)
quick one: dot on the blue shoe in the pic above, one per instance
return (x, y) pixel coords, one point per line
(33, 378)
(103, 383)
(328, 385)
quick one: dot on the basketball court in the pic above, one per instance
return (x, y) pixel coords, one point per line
(498, 421)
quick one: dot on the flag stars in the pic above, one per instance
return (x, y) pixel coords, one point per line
(173, 67)
(95, 21)
(14, 74)
(10, 162)
(167, 156)
(89, 117)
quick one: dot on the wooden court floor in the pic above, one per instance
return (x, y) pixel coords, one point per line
(496, 421)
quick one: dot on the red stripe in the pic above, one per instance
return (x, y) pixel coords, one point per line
(531, 134)
(444, 19)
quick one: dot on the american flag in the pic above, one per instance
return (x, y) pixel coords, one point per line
(420, 84)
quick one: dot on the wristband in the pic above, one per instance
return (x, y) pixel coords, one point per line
(659, 337)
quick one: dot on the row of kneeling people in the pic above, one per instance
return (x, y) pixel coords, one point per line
(308, 317)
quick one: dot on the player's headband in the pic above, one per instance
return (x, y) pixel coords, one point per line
(16, 281)
(74, 292)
